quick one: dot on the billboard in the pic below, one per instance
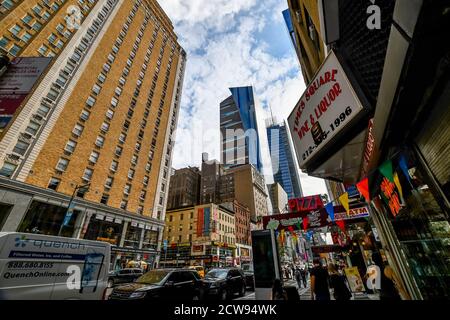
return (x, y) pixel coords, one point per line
(17, 83)
(328, 105)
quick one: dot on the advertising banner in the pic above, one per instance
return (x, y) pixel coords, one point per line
(328, 105)
(200, 222)
(354, 279)
(207, 220)
(17, 83)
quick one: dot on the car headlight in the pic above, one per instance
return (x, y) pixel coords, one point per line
(137, 295)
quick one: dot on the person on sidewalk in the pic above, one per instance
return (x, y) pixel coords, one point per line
(278, 292)
(319, 282)
(338, 284)
(298, 277)
(303, 274)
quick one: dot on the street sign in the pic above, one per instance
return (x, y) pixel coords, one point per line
(327, 106)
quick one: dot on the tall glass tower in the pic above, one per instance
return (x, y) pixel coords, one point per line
(239, 129)
(284, 168)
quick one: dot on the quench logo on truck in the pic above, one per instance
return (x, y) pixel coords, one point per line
(22, 241)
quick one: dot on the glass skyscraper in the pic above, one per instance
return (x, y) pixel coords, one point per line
(284, 167)
(239, 129)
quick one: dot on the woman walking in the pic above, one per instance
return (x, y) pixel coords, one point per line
(337, 283)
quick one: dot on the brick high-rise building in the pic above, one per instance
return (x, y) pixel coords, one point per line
(99, 125)
(184, 190)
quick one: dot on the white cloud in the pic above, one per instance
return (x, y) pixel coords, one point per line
(225, 49)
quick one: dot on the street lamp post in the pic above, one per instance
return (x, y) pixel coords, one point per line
(68, 212)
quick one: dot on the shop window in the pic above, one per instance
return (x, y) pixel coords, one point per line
(5, 209)
(104, 231)
(45, 218)
(417, 216)
(132, 237)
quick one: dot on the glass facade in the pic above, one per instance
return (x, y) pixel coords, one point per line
(238, 113)
(413, 213)
(284, 167)
(45, 218)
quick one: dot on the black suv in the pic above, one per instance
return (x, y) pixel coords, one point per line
(249, 274)
(224, 283)
(123, 276)
(162, 284)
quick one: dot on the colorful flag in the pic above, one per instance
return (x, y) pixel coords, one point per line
(404, 166)
(363, 188)
(386, 170)
(398, 185)
(344, 201)
(330, 210)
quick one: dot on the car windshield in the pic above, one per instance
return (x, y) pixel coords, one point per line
(153, 277)
(217, 273)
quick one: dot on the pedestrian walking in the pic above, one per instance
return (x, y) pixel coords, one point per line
(319, 282)
(298, 277)
(303, 275)
(338, 284)
(278, 292)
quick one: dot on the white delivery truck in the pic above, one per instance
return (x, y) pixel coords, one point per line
(40, 267)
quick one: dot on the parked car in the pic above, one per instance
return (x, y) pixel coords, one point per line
(249, 275)
(199, 269)
(223, 283)
(124, 276)
(162, 284)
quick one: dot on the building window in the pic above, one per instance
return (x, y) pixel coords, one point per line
(109, 182)
(78, 130)
(62, 164)
(90, 101)
(32, 128)
(114, 102)
(118, 151)
(137, 146)
(54, 183)
(140, 210)
(148, 167)
(104, 127)
(105, 198)
(109, 114)
(127, 189)
(14, 50)
(84, 115)
(131, 174)
(99, 141)
(101, 77)
(70, 146)
(94, 157)
(123, 204)
(21, 147)
(114, 165)
(122, 137)
(96, 89)
(8, 169)
(87, 175)
(142, 195)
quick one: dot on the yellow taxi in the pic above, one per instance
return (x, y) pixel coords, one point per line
(199, 269)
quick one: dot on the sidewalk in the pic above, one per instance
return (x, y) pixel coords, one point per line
(305, 293)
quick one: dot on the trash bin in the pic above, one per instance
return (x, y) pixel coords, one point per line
(292, 293)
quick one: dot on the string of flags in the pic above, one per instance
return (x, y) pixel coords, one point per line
(391, 191)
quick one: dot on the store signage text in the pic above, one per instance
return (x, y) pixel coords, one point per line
(392, 197)
(327, 105)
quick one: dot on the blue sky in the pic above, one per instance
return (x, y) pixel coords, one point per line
(232, 43)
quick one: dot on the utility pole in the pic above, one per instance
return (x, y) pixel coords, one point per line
(69, 211)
